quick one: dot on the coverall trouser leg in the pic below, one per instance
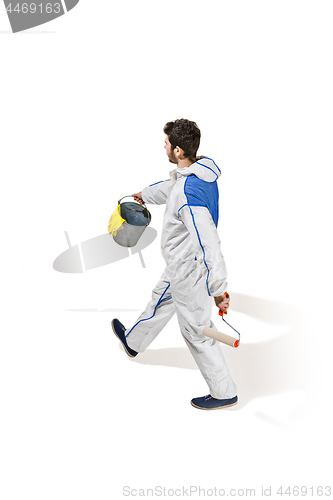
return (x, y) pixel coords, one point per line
(186, 295)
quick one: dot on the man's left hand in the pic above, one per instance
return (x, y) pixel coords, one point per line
(222, 302)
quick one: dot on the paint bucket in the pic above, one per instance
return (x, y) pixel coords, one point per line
(137, 218)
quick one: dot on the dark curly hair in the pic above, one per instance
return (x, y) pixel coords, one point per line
(184, 134)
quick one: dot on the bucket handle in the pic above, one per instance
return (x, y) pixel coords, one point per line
(129, 196)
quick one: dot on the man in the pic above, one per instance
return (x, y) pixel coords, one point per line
(195, 269)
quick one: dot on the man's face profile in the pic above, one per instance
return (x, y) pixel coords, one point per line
(169, 151)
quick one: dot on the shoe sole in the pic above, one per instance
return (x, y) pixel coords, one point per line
(114, 331)
(218, 408)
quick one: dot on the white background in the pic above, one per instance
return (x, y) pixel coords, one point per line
(83, 102)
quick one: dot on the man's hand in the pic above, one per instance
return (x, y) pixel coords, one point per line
(138, 197)
(222, 302)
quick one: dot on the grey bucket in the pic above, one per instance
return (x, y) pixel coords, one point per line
(137, 218)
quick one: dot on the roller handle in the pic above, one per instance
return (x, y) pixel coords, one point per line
(237, 342)
(224, 312)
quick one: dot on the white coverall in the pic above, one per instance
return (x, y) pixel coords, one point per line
(195, 270)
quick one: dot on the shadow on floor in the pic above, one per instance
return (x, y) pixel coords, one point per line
(99, 251)
(259, 369)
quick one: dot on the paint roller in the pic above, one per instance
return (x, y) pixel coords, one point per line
(222, 337)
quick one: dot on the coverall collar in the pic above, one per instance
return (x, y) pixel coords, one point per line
(204, 168)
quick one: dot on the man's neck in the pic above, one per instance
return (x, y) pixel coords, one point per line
(186, 162)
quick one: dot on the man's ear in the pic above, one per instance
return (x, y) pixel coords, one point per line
(179, 152)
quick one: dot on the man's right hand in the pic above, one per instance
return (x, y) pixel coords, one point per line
(138, 197)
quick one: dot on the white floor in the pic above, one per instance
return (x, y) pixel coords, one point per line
(79, 420)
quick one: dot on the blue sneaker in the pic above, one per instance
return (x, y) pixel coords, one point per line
(119, 330)
(210, 403)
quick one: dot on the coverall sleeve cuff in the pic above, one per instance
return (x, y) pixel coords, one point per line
(220, 291)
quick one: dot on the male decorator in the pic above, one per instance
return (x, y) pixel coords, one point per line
(195, 268)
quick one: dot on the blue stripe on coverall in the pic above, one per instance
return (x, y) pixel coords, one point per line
(208, 168)
(202, 193)
(203, 250)
(158, 303)
(159, 182)
(206, 165)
